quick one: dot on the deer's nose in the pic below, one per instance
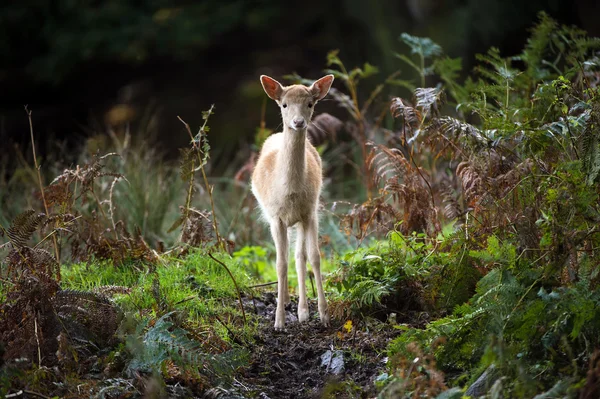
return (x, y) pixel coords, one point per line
(299, 123)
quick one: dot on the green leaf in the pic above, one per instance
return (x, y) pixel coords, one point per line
(369, 70)
(337, 74)
(176, 224)
(333, 59)
(423, 46)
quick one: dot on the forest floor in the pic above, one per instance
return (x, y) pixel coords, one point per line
(307, 360)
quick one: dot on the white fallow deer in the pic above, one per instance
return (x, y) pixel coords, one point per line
(287, 183)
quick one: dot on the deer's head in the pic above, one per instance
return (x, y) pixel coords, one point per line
(297, 102)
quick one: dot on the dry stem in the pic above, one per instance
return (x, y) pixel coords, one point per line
(209, 188)
(39, 175)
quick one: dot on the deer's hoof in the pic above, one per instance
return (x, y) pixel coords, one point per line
(303, 315)
(279, 325)
(324, 319)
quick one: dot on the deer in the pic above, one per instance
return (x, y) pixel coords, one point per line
(286, 183)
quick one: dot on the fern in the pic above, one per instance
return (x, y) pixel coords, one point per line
(166, 342)
(429, 99)
(590, 147)
(537, 47)
(23, 226)
(99, 316)
(369, 292)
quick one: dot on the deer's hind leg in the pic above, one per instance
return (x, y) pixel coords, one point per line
(301, 271)
(314, 256)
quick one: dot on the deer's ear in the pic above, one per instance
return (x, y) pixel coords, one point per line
(321, 87)
(272, 87)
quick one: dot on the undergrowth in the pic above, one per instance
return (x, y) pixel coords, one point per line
(509, 160)
(136, 310)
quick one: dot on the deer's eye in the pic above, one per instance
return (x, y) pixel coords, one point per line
(309, 105)
(284, 105)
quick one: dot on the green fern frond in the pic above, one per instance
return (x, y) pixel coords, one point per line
(534, 54)
(166, 341)
(369, 292)
(422, 46)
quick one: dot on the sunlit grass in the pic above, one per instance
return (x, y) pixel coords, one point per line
(195, 284)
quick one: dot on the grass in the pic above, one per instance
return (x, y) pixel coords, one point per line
(195, 284)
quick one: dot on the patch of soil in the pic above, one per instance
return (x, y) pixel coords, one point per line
(289, 364)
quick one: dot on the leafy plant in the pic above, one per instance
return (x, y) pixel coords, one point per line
(526, 198)
(156, 347)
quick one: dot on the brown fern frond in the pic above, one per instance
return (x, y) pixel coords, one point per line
(139, 248)
(58, 193)
(94, 311)
(429, 99)
(85, 175)
(505, 182)
(370, 217)
(37, 260)
(60, 219)
(197, 228)
(28, 322)
(322, 128)
(455, 129)
(109, 290)
(23, 227)
(384, 163)
(406, 185)
(36, 313)
(472, 183)
(452, 208)
(411, 116)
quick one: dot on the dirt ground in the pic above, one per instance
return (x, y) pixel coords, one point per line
(309, 361)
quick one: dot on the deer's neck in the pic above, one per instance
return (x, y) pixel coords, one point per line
(292, 158)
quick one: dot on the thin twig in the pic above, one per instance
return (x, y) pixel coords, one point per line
(56, 230)
(25, 391)
(233, 336)
(102, 210)
(38, 342)
(41, 184)
(263, 284)
(189, 298)
(110, 204)
(234, 282)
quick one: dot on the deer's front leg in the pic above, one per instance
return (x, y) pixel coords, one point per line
(279, 233)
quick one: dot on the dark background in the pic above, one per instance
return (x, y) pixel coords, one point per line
(75, 61)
